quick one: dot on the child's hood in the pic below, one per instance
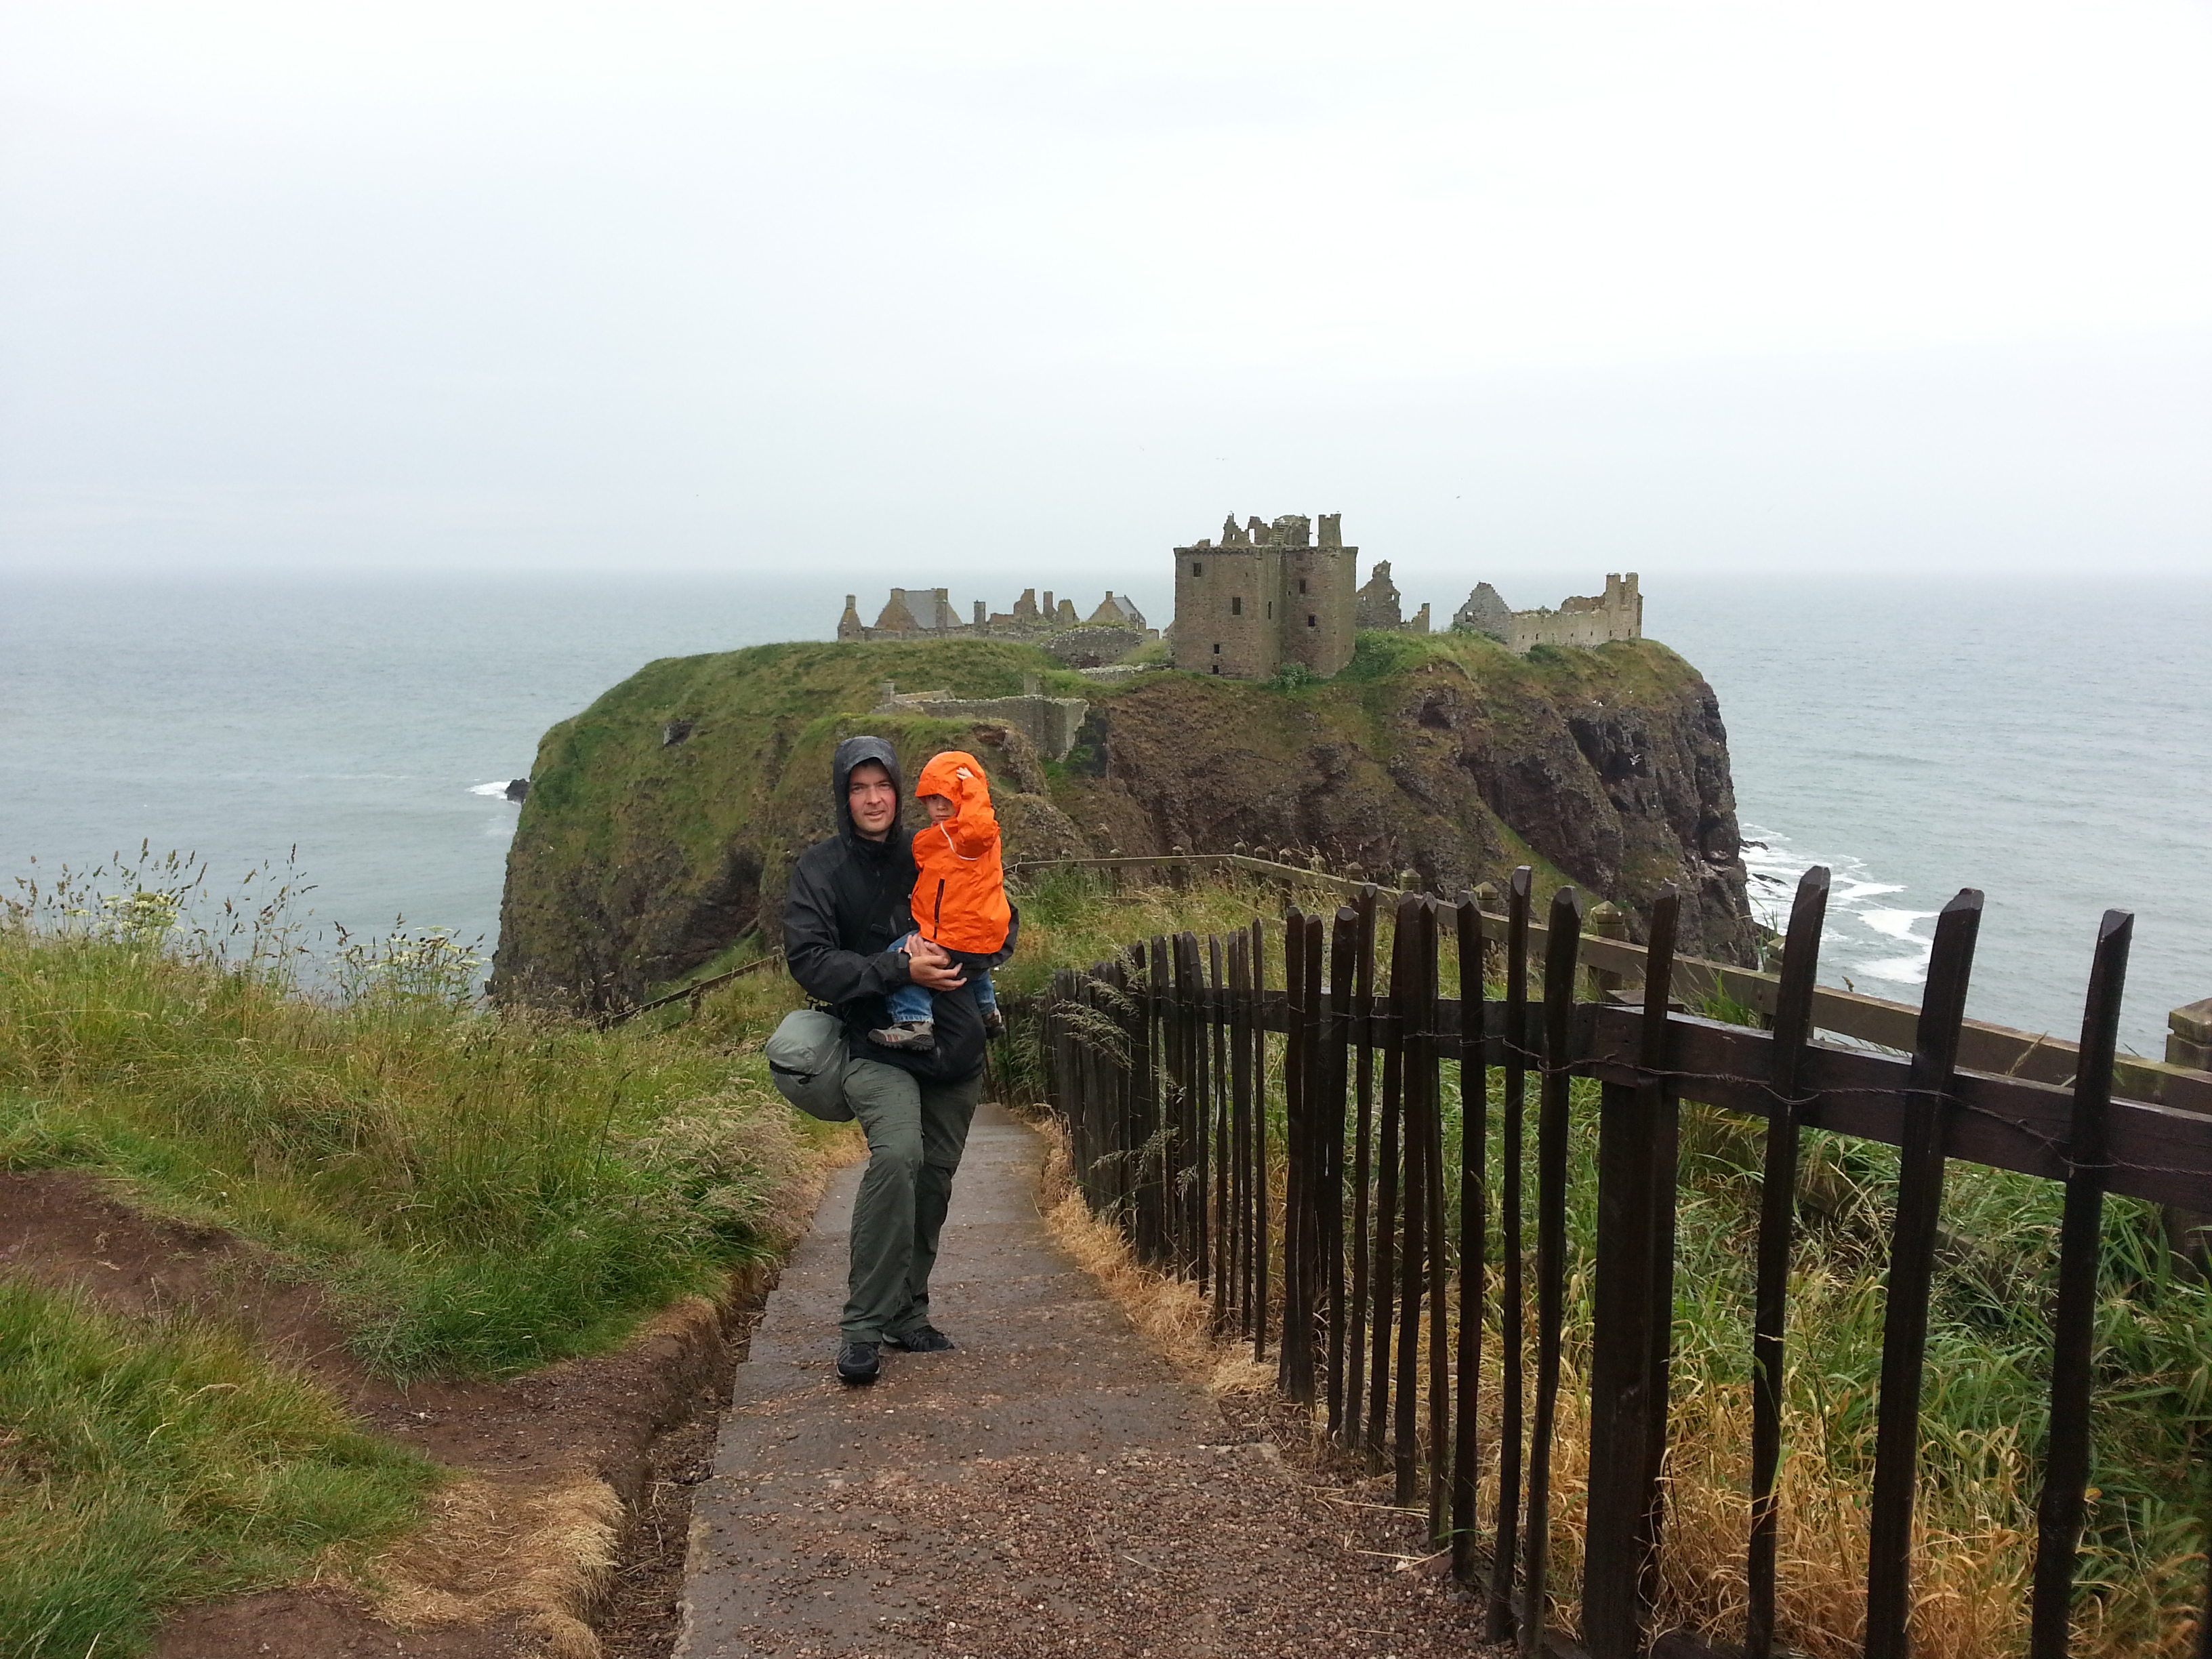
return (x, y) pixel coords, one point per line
(957, 775)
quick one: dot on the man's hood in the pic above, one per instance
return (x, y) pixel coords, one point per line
(851, 753)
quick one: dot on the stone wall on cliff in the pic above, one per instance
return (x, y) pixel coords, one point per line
(637, 859)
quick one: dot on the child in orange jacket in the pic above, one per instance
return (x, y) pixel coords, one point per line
(959, 895)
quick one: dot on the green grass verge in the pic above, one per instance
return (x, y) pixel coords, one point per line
(479, 1196)
(144, 1464)
(482, 1196)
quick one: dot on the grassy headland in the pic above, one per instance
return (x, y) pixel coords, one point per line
(663, 819)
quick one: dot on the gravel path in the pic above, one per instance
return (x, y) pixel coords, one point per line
(1052, 1488)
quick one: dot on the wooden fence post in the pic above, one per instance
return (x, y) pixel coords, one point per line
(1383, 1257)
(1607, 920)
(1561, 949)
(2066, 1465)
(1363, 1134)
(1502, 1623)
(1406, 1000)
(1259, 1034)
(1929, 1107)
(1473, 1234)
(1344, 947)
(1294, 1366)
(1240, 1127)
(1148, 1153)
(1633, 1324)
(1216, 1039)
(1778, 1211)
(1432, 1152)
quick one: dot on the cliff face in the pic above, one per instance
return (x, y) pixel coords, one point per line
(662, 819)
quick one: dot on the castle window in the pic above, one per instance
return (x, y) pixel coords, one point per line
(1217, 648)
(1198, 567)
(1313, 622)
(1237, 607)
(1271, 611)
(1302, 584)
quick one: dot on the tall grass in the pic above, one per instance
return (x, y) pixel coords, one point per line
(1984, 1402)
(482, 1194)
(478, 1195)
(142, 1465)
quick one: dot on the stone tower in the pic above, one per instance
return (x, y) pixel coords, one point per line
(1268, 594)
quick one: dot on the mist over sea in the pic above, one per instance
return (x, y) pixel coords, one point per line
(2044, 741)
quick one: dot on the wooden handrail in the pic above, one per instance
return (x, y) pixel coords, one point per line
(2000, 1050)
(697, 988)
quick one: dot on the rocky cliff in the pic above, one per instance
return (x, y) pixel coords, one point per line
(661, 820)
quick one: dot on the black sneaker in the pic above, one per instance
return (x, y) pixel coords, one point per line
(994, 1024)
(857, 1363)
(918, 1035)
(922, 1338)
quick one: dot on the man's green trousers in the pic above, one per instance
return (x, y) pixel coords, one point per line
(916, 1133)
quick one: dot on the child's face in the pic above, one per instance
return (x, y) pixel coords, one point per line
(937, 807)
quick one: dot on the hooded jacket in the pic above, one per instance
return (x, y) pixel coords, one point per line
(960, 889)
(844, 907)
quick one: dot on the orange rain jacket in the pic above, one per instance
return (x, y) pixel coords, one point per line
(960, 894)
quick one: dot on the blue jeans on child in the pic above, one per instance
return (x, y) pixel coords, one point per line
(911, 1002)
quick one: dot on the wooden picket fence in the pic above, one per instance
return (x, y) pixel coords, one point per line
(1160, 1065)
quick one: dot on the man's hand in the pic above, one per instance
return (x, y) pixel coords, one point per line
(927, 966)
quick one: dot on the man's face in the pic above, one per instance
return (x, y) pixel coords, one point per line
(873, 801)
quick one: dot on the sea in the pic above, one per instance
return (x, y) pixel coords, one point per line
(2047, 742)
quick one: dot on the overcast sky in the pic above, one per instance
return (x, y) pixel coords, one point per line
(940, 292)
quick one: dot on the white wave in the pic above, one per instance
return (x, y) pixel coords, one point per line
(1777, 865)
(1899, 970)
(1896, 924)
(1852, 891)
(499, 787)
(1862, 933)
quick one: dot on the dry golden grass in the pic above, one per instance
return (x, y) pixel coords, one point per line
(540, 1555)
(1173, 1314)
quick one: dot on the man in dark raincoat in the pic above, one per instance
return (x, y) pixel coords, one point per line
(846, 907)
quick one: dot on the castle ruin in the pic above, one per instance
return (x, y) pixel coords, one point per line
(926, 613)
(1379, 605)
(1616, 614)
(1265, 597)
(1270, 594)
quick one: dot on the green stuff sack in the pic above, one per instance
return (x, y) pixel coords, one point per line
(807, 1059)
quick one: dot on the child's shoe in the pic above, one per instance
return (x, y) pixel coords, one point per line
(994, 1024)
(918, 1035)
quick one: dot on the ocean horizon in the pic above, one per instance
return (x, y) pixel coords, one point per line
(2040, 740)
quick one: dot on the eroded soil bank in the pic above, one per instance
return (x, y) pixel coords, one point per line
(560, 1528)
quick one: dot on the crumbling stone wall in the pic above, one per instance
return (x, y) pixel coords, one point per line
(927, 613)
(1379, 605)
(1585, 620)
(1049, 723)
(1617, 614)
(1484, 612)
